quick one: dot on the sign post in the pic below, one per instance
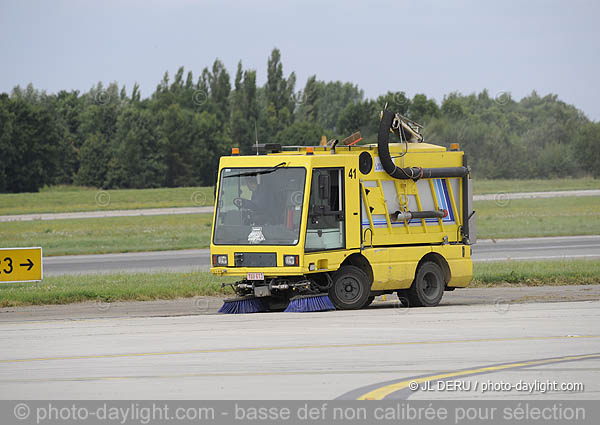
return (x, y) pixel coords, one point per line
(21, 265)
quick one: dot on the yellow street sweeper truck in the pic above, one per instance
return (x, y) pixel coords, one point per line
(331, 227)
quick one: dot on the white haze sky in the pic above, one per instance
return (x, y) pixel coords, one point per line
(425, 46)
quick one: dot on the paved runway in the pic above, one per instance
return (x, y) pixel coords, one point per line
(373, 353)
(107, 213)
(550, 248)
(157, 261)
(190, 260)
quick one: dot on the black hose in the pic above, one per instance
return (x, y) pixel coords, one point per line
(409, 215)
(414, 173)
(429, 214)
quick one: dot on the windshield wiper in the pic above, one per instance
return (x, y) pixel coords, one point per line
(255, 173)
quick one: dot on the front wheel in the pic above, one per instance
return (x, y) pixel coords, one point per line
(350, 289)
(428, 287)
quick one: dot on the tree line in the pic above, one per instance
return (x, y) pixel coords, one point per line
(110, 137)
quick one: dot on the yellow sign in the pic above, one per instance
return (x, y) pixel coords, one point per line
(21, 264)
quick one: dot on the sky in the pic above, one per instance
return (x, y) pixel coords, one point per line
(424, 46)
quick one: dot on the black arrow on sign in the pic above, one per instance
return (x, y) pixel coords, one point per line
(29, 263)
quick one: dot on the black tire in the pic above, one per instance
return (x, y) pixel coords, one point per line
(428, 287)
(351, 288)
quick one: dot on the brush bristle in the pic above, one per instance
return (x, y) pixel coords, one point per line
(243, 305)
(310, 303)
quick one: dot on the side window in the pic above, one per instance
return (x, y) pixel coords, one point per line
(326, 220)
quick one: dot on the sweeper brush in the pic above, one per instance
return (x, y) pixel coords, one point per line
(306, 303)
(243, 305)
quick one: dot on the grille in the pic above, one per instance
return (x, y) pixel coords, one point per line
(255, 259)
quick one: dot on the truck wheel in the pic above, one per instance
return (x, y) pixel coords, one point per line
(428, 287)
(350, 289)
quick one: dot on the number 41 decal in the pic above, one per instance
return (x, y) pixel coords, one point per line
(352, 173)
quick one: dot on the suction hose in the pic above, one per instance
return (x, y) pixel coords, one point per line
(414, 173)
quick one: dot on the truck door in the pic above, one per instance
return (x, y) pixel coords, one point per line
(326, 218)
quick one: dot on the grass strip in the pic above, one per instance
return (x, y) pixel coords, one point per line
(536, 273)
(110, 235)
(155, 286)
(59, 199)
(484, 186)
(111, 287)
(520, 218)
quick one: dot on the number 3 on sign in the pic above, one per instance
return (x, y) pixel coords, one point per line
(9, 267)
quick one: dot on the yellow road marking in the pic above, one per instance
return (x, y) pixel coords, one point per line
(298, 347)
(382, 392)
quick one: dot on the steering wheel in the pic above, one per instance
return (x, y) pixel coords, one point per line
(239, 202)
(246, 213)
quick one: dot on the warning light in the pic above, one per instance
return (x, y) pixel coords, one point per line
(310, 150)
(235, 151)
(454, 146)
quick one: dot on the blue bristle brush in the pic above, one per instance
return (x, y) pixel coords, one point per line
(244, 305)
(306, 303)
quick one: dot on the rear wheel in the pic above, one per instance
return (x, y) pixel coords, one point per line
(428, 287)
(350, 289)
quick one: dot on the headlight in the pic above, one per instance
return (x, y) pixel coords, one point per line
(219, 260)
(291, 260)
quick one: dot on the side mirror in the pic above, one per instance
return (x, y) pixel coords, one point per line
(324, 186)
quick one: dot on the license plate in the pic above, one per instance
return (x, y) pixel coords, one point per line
(255, 276)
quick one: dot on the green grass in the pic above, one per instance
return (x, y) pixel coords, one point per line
(483, 186)
(146, 286)
(112, 234)
(519, 218)
(73, 198)
(111, 287)
(536, 273)
(538, 217)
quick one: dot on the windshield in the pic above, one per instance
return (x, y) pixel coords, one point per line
(259, 206)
